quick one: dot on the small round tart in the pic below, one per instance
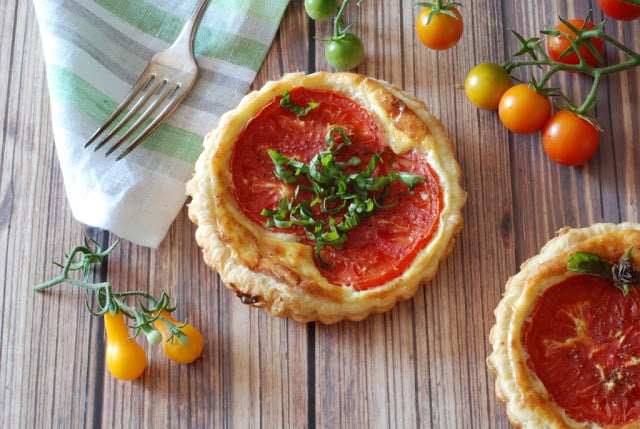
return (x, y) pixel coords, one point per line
(566, 343)
(267, 224)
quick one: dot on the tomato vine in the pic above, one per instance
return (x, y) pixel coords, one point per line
(146, 313)
(571, 136)
(533, 54)
(344, 49)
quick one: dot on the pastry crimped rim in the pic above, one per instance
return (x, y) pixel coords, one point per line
(270, 269)
(528, 402)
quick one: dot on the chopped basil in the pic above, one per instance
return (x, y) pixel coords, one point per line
(623, 274)
(294, 108)
(346, 199)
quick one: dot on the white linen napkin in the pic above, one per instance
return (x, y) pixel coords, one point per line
(94, 51)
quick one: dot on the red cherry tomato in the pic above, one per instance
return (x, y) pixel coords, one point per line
(570, 140)
(620, 9)
(558, 45)
(523, 110)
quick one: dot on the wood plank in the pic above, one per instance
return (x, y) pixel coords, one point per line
(46, 373)
(420, 365)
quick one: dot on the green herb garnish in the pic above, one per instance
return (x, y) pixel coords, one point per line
(622, 273)
(294, 108)
(345, 199)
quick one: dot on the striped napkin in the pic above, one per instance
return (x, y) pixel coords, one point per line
(94, 51)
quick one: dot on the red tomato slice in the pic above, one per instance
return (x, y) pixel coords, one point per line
(583, 340)
(379, 248)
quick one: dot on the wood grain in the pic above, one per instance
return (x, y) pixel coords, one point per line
(420, 365)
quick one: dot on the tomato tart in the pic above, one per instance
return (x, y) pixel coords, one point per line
(326, 196)
(566, 343)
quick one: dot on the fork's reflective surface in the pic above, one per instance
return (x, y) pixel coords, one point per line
(161, 87)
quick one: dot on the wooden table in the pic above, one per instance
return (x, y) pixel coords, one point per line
(420, 365)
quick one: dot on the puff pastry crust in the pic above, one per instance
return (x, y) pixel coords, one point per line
(530, 403)
(274, 270)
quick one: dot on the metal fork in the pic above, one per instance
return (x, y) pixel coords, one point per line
(161, 87)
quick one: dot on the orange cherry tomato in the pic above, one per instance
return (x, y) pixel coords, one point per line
(570, 140)
(558, 45)
(126, 359)
(442, 32)
(523, 110)
(180, 349)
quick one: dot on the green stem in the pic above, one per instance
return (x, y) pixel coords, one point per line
(84, 258)
(539, 57)
(338, 31)
(65, 279)
(588, 102)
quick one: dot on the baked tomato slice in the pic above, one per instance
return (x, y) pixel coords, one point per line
(384, 244)
(583, 341)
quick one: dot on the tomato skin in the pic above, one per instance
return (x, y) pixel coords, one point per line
(557, 45)
(173, 348)
(570, 140)
(125, 358)
(620, 10)
(320, 10)
(485, 84)
(443, 32)
(344, 53)
(523, 110)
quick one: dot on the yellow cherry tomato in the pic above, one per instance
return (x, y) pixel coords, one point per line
(485, 85)
(126, 359)
(180, 349)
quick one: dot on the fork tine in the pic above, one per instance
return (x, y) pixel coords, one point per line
(159, 119)
(139, 86)
(146, 94)
(177, 62)
(162, 94)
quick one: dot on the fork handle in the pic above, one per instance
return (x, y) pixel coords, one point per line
(188, 32)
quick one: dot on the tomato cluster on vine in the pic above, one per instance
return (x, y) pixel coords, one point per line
(344, 50)
(126, 359)
(570, 136)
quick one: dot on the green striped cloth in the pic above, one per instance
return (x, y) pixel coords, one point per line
(94, 51)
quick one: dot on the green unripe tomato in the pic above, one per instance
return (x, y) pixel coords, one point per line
(344, 53)
(320, 10)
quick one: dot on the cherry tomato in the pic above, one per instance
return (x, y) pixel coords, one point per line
(126, 359)
(320, 10)
(442, 32)
(558, 45)
(344, 53)
(485, 85)
(523, 110)
(181, 349)
(620, 9)
(569, 139)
